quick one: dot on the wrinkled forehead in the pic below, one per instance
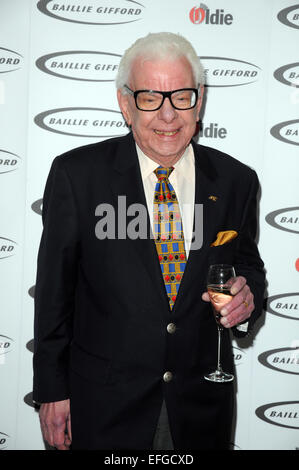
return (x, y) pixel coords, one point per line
(146, 72)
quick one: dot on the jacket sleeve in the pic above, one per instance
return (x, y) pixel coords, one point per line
(248, 262)
(57, 268)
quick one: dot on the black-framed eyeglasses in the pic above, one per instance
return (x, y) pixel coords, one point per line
(151, 100)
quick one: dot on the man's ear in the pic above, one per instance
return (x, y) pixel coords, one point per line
(200, 98)
(123, 102)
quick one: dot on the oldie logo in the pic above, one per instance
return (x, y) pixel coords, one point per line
(106, 12)
(7, 247)
(203, 15)
(282, 360)
(5, 344)
(287, 131)
(88, 66)
(224, 72)
(239, 356)
(212, 130)
(284, 305)
(83, 122)
(290, 16)
(288, 74)
(9, 60)
(285, 219)
(8, 161)
(4, 438)
(284, 414)
(37, 206)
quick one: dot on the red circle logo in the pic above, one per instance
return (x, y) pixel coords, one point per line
(197, 15)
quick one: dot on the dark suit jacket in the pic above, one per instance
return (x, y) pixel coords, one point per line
(102, 312)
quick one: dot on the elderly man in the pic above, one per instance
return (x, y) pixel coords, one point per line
(124, 332)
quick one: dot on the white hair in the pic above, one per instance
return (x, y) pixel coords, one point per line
(159, 46)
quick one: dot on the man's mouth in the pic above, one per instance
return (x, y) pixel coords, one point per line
(166, 133)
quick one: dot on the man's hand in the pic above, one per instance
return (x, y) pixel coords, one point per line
(240, 307)
(55, 420)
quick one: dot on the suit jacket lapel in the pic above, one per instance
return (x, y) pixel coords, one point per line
(126, 181)
(206, 185)
(207, 192)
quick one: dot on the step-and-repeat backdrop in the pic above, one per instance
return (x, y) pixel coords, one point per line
(58, 61)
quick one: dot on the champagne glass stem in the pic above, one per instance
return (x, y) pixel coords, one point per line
(219, 368)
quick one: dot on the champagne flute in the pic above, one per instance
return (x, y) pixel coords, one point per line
(219, 282)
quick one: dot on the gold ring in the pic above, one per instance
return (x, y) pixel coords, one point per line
(245, 303)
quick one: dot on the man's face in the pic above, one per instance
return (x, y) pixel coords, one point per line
(164, 134)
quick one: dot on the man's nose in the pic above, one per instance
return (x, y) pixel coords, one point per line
(167, 112)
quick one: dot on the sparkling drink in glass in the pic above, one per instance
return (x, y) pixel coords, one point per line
(219, 282)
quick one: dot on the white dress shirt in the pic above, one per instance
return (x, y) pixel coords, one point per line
(182, 179)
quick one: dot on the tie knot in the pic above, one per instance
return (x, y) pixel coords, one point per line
(163, 173)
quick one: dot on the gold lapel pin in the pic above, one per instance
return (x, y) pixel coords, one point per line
(213, 198)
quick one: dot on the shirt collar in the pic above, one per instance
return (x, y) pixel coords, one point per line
(147, 165)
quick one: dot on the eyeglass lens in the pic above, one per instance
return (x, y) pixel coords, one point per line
(182, 99)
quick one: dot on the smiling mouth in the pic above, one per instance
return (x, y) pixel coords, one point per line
(166, 133)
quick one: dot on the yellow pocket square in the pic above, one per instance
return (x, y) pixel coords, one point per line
(224, 237)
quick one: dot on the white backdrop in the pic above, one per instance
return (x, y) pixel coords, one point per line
(58, 60)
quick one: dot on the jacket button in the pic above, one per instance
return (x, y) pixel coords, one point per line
(171, 327)
(167, 377)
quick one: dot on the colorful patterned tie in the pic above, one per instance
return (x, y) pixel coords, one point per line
(168, 233)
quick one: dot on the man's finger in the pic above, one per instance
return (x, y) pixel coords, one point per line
(236, 301)
(238, 284)
(239, 314)
(69, 429)
(59, 437)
